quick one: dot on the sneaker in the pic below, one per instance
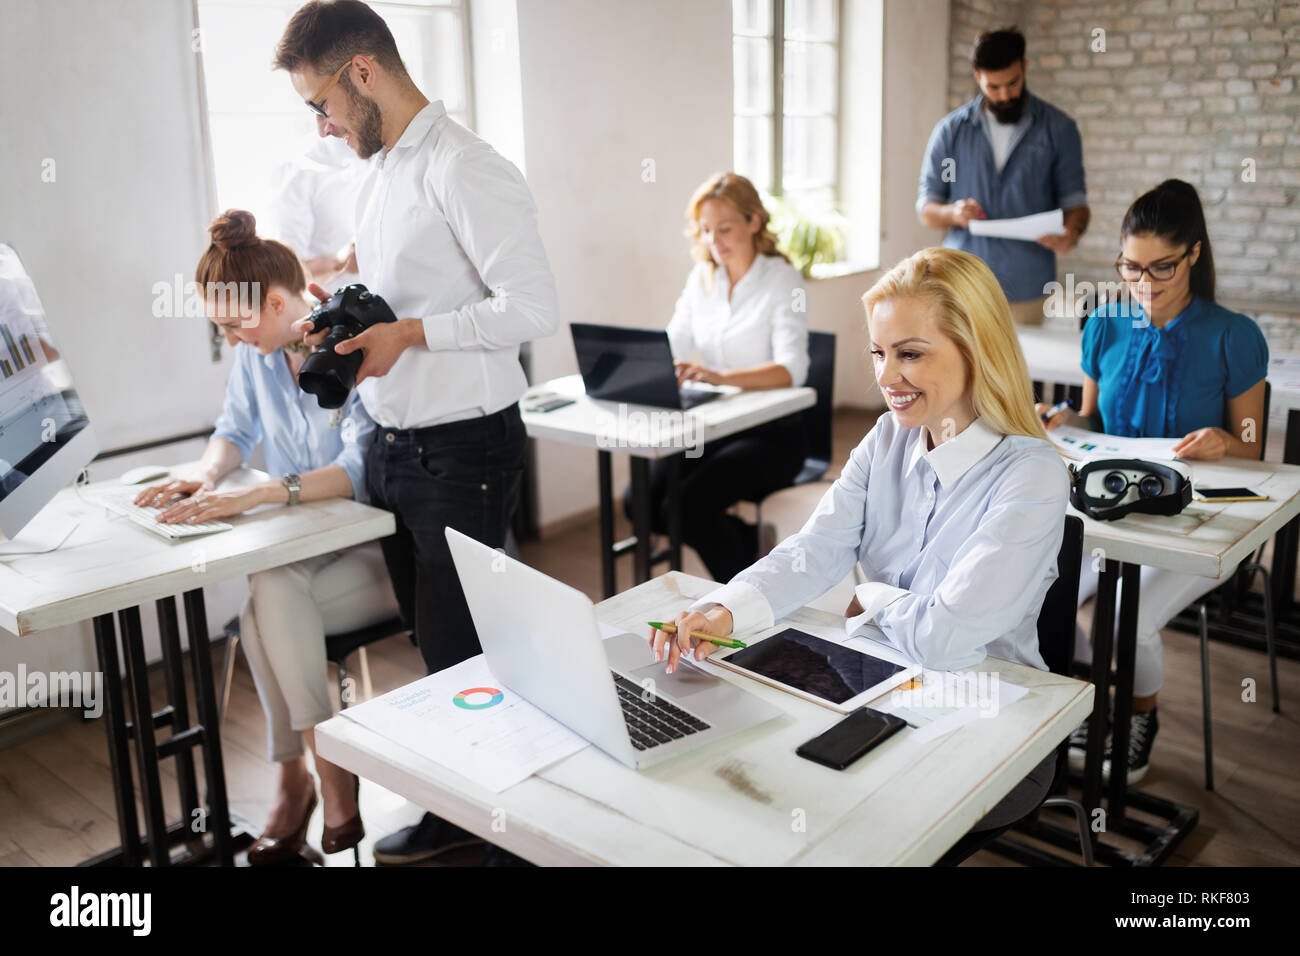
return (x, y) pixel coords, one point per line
(1141, 735)
(1078, 753)
(430, 837)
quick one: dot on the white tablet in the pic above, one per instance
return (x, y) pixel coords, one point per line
(833, 675)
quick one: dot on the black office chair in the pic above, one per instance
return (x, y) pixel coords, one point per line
(1056, 644)
(1242, 578)
(816, 420)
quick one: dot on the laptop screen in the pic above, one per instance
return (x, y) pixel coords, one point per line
(626, 365)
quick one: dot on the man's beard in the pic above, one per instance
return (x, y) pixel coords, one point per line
(1011, 110)
(367, 124)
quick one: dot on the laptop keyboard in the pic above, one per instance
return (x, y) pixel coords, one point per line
(655, 721)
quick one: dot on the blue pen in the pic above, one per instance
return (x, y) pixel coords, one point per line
(1056, 410)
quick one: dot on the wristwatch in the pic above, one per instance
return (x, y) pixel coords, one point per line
(294, 484)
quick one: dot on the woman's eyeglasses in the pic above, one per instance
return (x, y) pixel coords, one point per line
(1159, 271)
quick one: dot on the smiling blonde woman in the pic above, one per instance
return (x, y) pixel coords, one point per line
(953, 504)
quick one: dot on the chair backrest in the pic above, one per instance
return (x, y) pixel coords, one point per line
(821, 378)
(1061, 605)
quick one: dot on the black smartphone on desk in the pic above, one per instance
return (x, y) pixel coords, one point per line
(852, 737)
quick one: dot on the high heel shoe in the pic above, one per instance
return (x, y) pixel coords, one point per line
(347, 834)
(275, 851)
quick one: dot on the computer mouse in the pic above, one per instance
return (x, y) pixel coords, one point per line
(136, 476)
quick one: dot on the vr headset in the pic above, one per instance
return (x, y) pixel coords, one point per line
(1110, 488)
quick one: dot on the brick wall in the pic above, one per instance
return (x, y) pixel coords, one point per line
(1186, 88)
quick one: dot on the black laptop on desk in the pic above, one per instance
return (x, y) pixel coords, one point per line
(633, 366)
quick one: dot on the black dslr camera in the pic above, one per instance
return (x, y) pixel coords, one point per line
(348, 312)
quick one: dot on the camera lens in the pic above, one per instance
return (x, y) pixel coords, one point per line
(1115, 483)
(1150, 486)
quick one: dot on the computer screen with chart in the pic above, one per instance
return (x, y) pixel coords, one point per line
(45, 436)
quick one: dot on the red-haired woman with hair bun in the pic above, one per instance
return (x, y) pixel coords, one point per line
(290, 608)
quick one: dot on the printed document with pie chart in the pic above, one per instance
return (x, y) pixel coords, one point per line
(466, 721)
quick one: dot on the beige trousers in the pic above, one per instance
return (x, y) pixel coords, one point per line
(289, 611)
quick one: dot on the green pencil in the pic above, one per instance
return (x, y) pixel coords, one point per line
(700, 635)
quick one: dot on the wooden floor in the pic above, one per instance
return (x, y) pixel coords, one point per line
(56, 795)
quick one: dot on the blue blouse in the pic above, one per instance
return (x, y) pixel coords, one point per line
(264, 405)
(1166, 383)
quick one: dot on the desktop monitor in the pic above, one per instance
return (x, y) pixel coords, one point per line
(45, 437)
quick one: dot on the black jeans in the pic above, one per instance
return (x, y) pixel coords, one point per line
(747, 466)
(464, 475)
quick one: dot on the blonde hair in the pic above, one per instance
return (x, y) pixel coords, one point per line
(974, 313)
(740, 192)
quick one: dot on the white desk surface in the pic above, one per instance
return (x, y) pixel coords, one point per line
(110, 563)
(746, 799)
(658, 432)
(1205, 539)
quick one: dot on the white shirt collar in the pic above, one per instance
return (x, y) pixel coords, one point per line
(955, 457)
(419, 125)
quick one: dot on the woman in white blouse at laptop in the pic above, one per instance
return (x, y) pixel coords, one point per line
(742, 314)
(954, 503)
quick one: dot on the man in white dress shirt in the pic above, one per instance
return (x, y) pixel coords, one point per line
(447, 233)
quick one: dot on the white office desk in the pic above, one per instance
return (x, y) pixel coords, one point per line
(746, 799)
(109, 564)
(1205, 539)
(647, 433)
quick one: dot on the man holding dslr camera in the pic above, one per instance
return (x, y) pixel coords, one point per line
(447, 234)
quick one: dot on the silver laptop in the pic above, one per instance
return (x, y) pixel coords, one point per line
(541, 639)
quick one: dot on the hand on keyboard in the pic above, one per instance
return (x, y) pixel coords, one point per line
(211, 505)
(161, 495)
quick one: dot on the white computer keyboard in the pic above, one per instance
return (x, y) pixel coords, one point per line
(121, 503)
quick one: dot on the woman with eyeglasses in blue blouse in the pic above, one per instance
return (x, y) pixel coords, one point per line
(1166, 362)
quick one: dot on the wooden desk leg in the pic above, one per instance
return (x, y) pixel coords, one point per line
(119, 755)
(675, 512)
(146, 747)
(641, 516)
(174, 675)
(205, 700)
(606, 482)
(1125, 658)
(1103, 631)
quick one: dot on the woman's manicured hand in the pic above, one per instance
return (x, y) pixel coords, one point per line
(161, 495)
(715, 621)
(211, 505)
(1204, 444)
(854, 608)
(690, 372)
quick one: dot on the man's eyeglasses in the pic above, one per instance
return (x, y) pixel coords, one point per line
(316, 103)
(1159, 272)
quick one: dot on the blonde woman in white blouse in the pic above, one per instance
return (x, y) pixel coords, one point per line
(739, 321)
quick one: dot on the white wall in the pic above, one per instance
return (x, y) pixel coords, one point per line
(107, 91)
(607, 88)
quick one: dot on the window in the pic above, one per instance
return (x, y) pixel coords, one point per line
(255, 120)
(807, 129)
(797, 157)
